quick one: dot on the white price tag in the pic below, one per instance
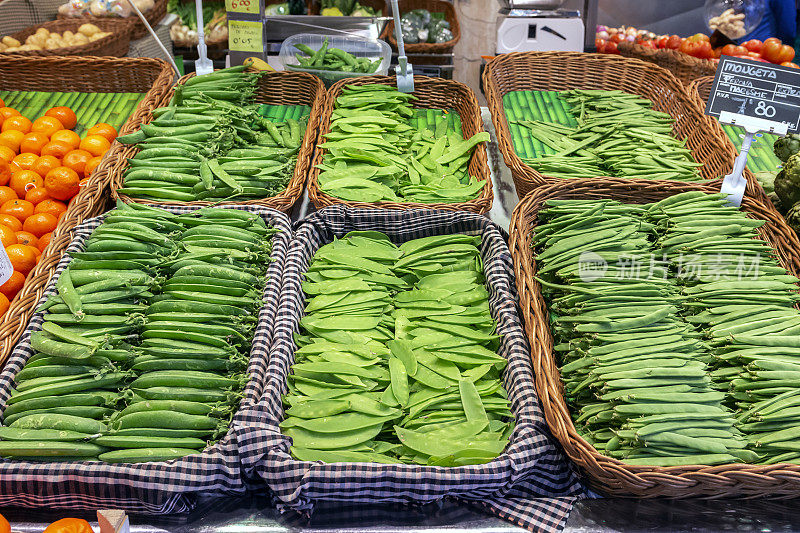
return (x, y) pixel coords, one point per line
(5, 266)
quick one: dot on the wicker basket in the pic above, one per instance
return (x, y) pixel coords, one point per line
(434, 6)
(114, 45)
(276, 88)
(138, 30)
(151, 76)
(608, 475)
(431, 93)
(558, 71)
(683, 66)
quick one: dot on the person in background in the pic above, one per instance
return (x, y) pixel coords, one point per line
(779, 20)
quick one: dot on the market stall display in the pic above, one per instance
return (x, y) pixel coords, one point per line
(109, 271)
(215, 141)
(719, 295)
(547, 71)
(94, 10)
(424, 149)
(428, 26)
(100, 81)
(70, 37)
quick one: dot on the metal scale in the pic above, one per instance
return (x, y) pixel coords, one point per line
(539, 25)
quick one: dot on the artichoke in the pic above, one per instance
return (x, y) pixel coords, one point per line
(792, 170)
(788, 193)
(766, 179)
(793, 217)
(787, 146)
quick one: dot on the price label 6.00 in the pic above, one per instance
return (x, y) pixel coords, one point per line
(245, 36)
(242, 6)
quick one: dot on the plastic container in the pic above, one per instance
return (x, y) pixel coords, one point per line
(358, 46)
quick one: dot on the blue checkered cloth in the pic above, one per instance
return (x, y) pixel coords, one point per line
(530, 484)
(147, 488)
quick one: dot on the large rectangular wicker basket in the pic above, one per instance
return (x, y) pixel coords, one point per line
(559, 71)
(114, 45)
(82, 74)
(275, 88)
(608, 475)
(431, 93)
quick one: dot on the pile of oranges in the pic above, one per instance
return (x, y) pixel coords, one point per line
(42, 166)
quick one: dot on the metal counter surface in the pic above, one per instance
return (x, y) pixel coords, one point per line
(256, 515)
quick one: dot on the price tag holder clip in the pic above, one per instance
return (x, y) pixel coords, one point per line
(734, 184)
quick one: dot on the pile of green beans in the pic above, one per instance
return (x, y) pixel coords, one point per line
(397, 359)
(328, 58)
(680, 346)
(212, 144)
(374, 154)
(744, 303)
(143, 347)
(607, 133)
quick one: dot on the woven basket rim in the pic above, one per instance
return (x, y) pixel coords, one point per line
(478, 162)
(294, 189)
(611, 475)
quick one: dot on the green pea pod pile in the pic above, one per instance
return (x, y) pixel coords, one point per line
(144, 343)
(212, 144)
(327, 58)
(744, 303)
(397, 359)
(634, 371)
(374, 154)
(589, 133)
(677, 328)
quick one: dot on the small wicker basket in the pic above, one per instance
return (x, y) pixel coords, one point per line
(275, 88)
(683, 66)
(432, 93)
(608, 475)
(84, 74)
(114, 45)
(153, 16)
(434, 6)
(558, 71)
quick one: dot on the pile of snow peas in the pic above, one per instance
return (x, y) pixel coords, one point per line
(397, 359)
(672, 353)
(212, 144)
(590, 133)
(330, 58)
(374, 154)
(144, 345)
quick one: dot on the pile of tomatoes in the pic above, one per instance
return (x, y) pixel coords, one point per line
(42, 167)
(698, 45)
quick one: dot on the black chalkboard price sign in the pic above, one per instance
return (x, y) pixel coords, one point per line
(755, 89)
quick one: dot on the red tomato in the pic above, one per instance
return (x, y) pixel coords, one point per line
(786, 55)
(687, 47)
(674, 42)
(733, 50)
(790, 64)
(698, 38)
(617, 38)
(662, 42)
(649, 44)
(771, 51)
(704, 50)
(611, 48)
(600, 44)
(754, 55)
(753, 45)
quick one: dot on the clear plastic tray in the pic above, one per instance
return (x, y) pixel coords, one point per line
(358, 46)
